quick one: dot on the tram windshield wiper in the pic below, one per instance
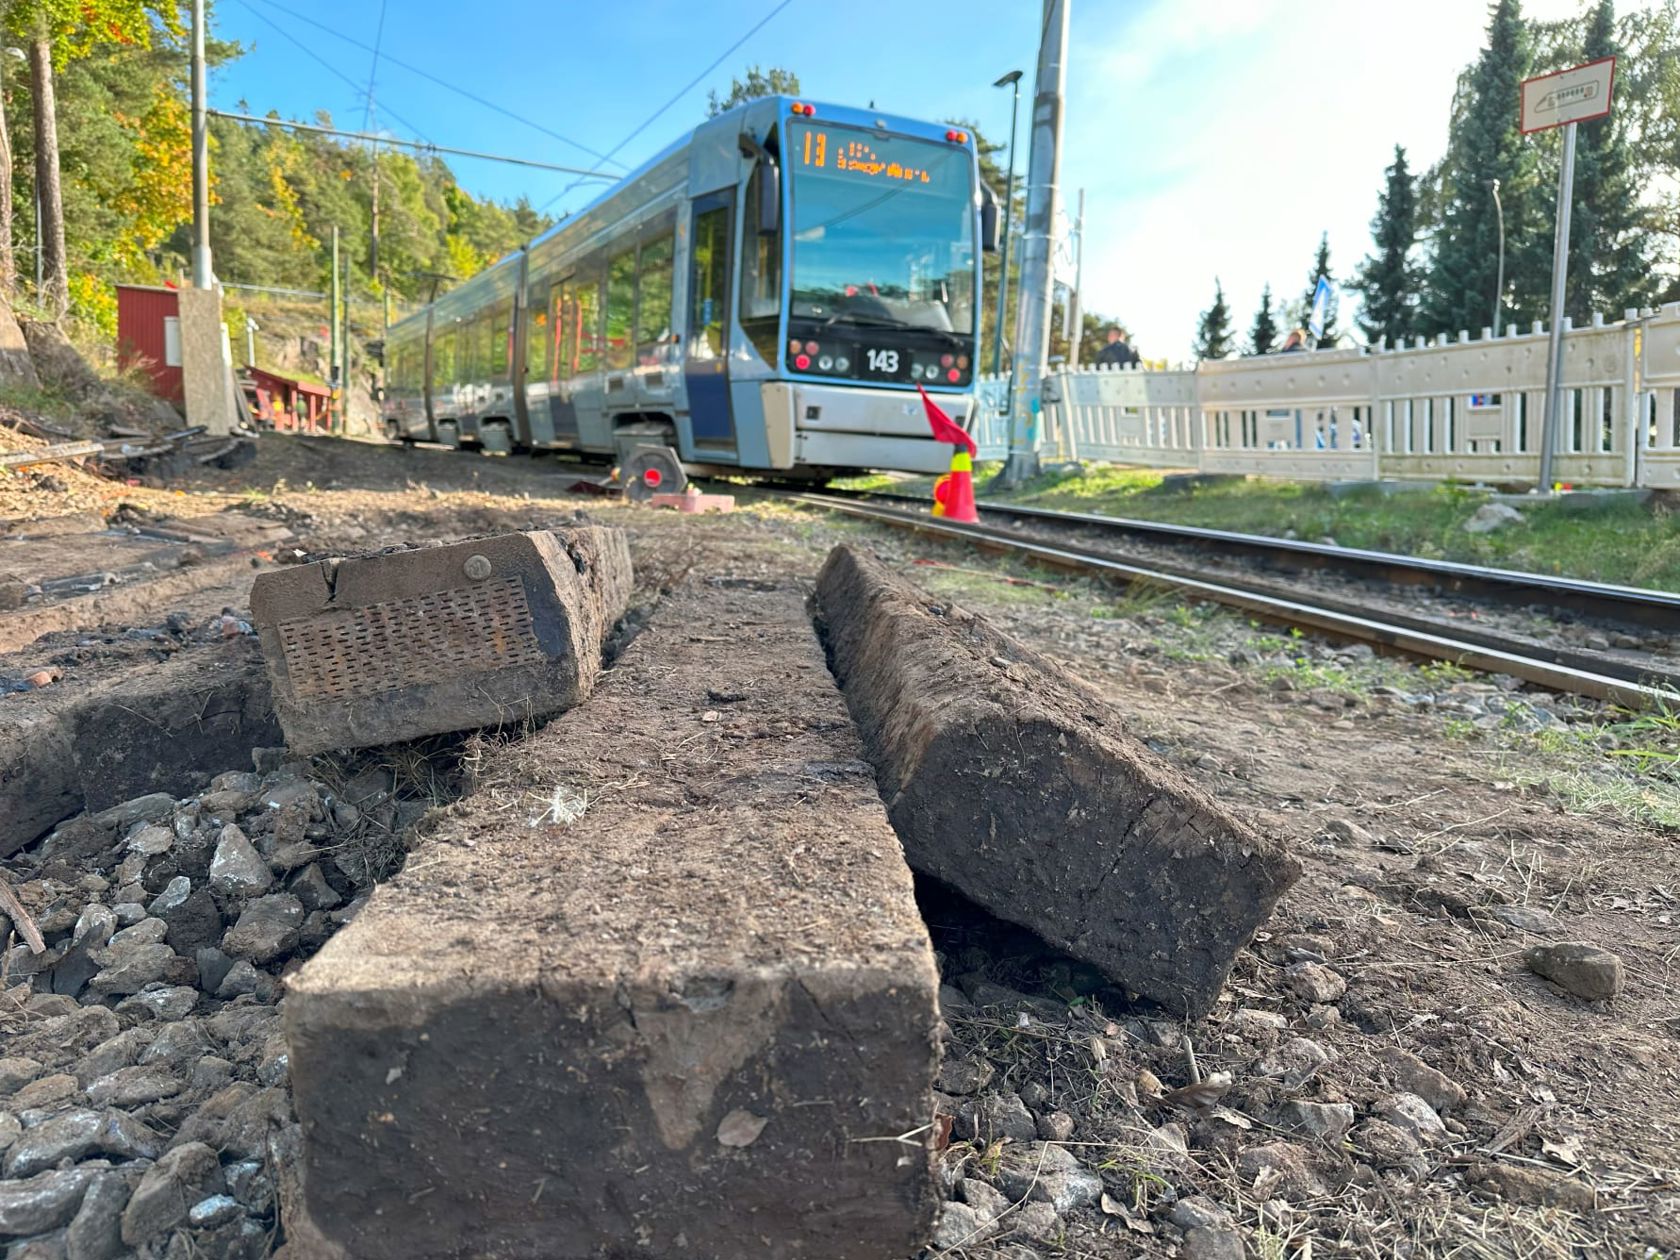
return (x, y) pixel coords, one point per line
(888, 321)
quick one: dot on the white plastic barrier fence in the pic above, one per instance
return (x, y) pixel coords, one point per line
(1447, 410)
(1657, 449)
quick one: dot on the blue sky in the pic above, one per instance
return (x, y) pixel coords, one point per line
(1212, 137)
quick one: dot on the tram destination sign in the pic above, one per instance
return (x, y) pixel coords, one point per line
(855, 157)
(1568, 96)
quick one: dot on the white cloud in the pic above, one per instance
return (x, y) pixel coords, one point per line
(1222, 138)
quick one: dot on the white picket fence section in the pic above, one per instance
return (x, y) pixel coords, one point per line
(1447, 410)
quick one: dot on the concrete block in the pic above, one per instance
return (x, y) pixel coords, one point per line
(401, 644)
(658, 987)
(206, 361)
(1017, 785)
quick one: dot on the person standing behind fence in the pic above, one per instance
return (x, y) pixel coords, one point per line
(1117, 353)
(1295, 342)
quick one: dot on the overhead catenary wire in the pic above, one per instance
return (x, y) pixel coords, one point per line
(422, 146)
(327, 65)
(684, 91)
(430, 78)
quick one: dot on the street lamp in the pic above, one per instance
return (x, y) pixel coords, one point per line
(1499, 284)
(1010, 80)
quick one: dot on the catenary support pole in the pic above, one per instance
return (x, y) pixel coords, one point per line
(1032, 321)
(1553, 425)
(344, 344)
(333, 358)
(203, 272)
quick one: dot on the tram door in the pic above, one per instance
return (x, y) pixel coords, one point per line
(705, 365)
(564, 323)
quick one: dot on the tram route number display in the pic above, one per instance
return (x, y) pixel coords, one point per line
(884, 364)
(856, 157)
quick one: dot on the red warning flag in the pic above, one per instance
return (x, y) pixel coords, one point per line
(944, 428)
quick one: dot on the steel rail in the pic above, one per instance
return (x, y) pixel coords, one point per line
(1626, 604)
(1578, 674)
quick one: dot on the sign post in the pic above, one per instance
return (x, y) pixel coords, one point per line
(1562, 99)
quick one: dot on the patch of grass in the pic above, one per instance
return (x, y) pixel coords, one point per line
(1629, 765)
(1620, 542)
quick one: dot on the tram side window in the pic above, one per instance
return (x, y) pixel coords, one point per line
(500, 349)
(587, 312)
(396, 376)
(537, 330)
(443, 357)
(621, 310)
(653, 306)
(711, 283)
(483, 361)
(761, 277)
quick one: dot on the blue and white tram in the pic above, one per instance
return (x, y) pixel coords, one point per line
(766, 294)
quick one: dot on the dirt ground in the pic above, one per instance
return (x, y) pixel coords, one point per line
(1447, 823)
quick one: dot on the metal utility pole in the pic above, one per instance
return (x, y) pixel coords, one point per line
(1499, 284)
(1013, 80)
(1560, 284)
(1076, 303)
(373, 250)
(332, 324)
(1032, 322)
(203, 273)
(344, 341)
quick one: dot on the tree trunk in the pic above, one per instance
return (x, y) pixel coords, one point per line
(56, 282)
(8, 258)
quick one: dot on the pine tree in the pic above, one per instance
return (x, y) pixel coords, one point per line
(1263, 335)
(1609, 258)
(1386, 280)
(1321, 270)
(1486, 145)
(1213, 333)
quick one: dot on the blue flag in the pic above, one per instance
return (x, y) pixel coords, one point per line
(1321, 306)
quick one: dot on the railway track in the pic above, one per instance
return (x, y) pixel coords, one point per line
(1630, 684)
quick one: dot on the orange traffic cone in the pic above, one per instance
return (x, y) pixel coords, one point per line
(953, 494)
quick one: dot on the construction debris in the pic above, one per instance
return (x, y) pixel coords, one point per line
(659, 984)
(405, 643)
(1014, 783)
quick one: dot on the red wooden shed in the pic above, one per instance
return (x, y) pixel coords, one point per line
(149, 336)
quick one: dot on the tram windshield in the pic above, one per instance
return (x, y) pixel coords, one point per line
(883, 230)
